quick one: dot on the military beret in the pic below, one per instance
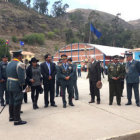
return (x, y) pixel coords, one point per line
(70, 59)
(115, 57)
(121, 57)
(4, 56)
(63, 56)
(17, 53)
(128, 53)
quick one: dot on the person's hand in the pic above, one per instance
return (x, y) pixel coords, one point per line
(99, 82)
(114, 78)
(32, 80)
(50, 77)
(67, 78)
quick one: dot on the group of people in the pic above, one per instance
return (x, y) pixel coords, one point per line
(117, 72)
(18, 76)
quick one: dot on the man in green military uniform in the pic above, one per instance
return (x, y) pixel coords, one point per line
(15, 82)
(65, 73)
(121, 61)
(115, 74)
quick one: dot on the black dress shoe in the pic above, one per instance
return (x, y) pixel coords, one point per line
(137, 105)
(64, 106)
(76, 98)
(45, 106)
(91, 102)
(20, 123)
(71, 104)
(56, 95)
(98, 102)
(110, 103)
(2, 104)
(37, 107)
(54, 105)
(21, 112)
(128, 104)
(11, 119)
(119, 104)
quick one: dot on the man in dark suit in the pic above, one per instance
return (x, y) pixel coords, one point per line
(48, 71)
(94, 75)
(132, 78)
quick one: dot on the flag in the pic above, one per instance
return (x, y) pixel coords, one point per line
(95, 31)
(7, 42)
(21, 43)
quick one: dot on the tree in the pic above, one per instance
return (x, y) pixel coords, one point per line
(41, 6)
(4, 50)
(58, 9)
(28, 3)
(17, 2)
(69, 35)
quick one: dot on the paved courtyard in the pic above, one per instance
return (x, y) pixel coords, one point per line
(82, 122)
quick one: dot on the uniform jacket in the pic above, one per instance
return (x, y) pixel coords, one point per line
(115, 70)
(45, 72)
(132, 72)
(94, 72)
(16, 71)
(3, 67)
(62, 73)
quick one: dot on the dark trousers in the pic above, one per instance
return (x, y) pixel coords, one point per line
(15, 101)
(49, 87)
(25, 97)
(115, 90)
(94, 91)
(35, 93)
(58, 87)
(69, 87)
(122, 87)
(79, 72)
(135, 87)
(75, 89)
(2, 91)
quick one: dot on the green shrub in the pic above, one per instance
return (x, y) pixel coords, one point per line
(43, 26)
(56, 48)
(56, 31)
(14, 39)
(36, 38)
(4, 49)
(51, 35)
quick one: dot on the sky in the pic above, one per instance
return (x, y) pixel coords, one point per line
(129, 9)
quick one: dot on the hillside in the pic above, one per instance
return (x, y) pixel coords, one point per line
(135, 23)
(19, 21)
(102, 17)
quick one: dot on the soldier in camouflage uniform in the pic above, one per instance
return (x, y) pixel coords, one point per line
(121, 61)
(65, 73)
(15, 82)
(115, 73)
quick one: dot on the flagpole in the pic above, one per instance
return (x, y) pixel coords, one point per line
(89, 33)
